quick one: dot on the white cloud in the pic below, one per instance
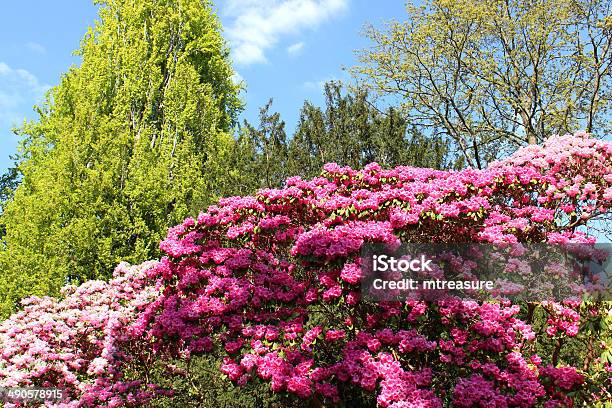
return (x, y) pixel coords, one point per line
(295, 49)
(258, 25)
(19, 91)
(36, 47)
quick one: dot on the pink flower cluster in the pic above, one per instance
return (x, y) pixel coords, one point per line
(79, 343)
(272, 284)
(274, 279)
(562, 318)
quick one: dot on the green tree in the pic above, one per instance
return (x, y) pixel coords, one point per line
(352, 132)
(349, 131)
(495, 74)
(130, 142)
(9, 182)
(261, 153)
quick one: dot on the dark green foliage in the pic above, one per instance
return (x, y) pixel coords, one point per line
(349, 131)
(198, 383)
(8, 183)
(353, 132)
(261, 154)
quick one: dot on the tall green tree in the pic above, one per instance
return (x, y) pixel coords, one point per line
(260, 155)
(496, 73)
(348, 130)
(352, 132)
(130, 142)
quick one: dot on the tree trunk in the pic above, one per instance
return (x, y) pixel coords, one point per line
(531, 138)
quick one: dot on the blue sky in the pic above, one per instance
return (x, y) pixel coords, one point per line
(284, 49)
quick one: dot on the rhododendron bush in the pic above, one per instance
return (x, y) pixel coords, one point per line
(271, 286)
(79, 343)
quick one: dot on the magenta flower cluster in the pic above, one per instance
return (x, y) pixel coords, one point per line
(272, 283)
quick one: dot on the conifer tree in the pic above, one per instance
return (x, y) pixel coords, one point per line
(352, 132)
(348, 130)
(260, 153)
(129, 143)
